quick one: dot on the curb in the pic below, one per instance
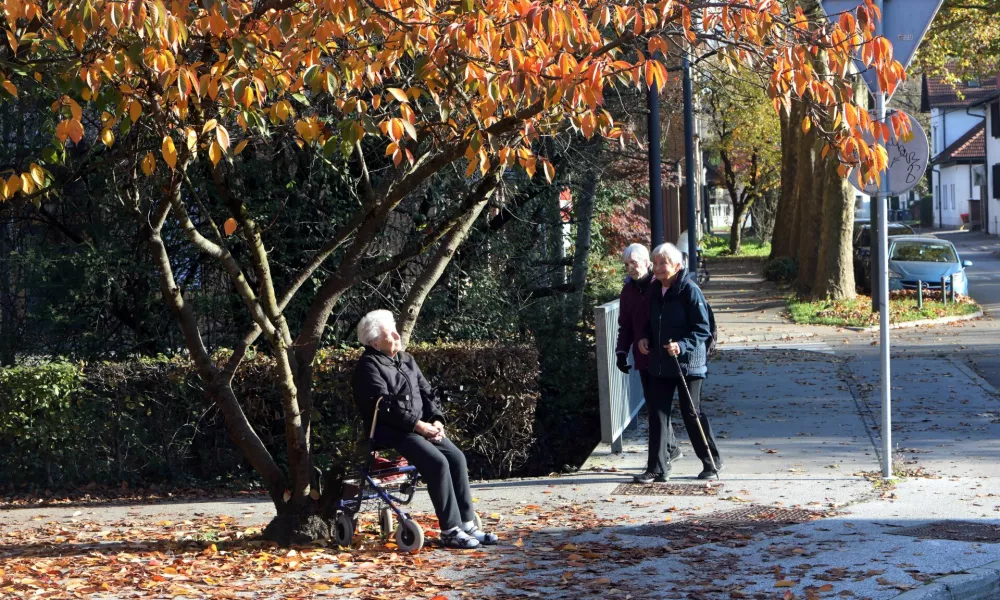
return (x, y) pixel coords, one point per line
(981, 583)
(920, 323)
(766, 337)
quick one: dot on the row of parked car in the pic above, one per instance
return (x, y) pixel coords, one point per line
(913, 260)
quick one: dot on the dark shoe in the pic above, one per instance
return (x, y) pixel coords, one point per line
(649, 477)
(708, 472)
(676, 455)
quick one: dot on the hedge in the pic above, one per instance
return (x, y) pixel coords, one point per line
(149, 421)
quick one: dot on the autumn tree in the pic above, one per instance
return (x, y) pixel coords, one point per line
(745, 133)
(163, 91)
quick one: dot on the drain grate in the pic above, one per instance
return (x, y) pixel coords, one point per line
(755, 513)
(958, 531)
(733, 527)
(666, 489)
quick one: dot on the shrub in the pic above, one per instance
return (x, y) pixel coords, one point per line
(149, 421)
(781, 270)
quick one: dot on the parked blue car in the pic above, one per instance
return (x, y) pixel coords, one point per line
(914, 259)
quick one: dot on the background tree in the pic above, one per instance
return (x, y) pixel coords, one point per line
(389, 94)
(745, 134)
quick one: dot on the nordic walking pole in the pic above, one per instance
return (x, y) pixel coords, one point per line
(694, 410)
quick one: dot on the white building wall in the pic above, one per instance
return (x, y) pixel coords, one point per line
(949, 125)
(951, 195)
(992, 158)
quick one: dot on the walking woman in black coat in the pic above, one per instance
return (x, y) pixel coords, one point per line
(411, 420)
(678, 327)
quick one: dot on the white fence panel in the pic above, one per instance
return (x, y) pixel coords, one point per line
(620, 395)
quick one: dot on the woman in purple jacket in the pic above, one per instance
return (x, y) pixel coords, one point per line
(633, 318)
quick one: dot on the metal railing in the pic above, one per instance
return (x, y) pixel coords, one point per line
(620, 395)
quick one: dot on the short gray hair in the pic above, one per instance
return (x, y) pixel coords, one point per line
(669, 252)
(637, 252)
(371, 326)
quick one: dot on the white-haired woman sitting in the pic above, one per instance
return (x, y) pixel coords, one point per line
(411, 421)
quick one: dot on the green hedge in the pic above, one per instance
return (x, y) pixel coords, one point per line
(149, 421)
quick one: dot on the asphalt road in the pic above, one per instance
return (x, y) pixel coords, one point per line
(976, 343)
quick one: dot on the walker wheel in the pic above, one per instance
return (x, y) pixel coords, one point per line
(386, 522)
(343, 529)
(409, 535)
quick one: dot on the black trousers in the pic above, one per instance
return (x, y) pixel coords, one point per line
(660, 401)
(671, 440)
(440, 464)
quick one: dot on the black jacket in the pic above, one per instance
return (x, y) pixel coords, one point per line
(680, 315)
(406, 395)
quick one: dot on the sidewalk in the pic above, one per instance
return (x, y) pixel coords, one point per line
(750, 311)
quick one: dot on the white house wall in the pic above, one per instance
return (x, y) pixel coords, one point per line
(951, 195)
(992, 158)
(944, 134)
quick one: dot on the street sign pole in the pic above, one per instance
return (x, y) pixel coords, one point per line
(882, 198)
(903, 23)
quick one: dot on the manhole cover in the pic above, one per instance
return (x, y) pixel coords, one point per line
(666, 489)
(732, 527)
(959, 531)
(755, 513)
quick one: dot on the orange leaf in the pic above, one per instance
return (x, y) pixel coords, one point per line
(229, 227)
(7, 85)
(784, 583)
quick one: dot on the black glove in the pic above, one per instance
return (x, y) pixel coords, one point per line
(623, 364)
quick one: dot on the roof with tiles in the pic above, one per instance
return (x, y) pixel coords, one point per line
(971, 147)
(938, 93)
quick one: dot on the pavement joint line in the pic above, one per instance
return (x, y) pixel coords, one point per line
(987, 386)
(979, 583)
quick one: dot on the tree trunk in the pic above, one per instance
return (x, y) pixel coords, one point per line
(736, 229)
(584, 211)
(806, 232)
(784, 225)
(835, 266)
(429, 277)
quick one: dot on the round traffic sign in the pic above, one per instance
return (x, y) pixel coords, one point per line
(907, 161)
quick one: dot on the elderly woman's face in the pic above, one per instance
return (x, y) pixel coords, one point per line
(388, 341)
(637, 269)
(664, 270)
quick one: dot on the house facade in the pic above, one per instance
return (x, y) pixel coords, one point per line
(991, 135)
(958, 176)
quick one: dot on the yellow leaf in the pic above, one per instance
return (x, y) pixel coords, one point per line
(806, 124)
(192, 139)
(215, 153)
(209, 126)
(398, 94)
(222, 136)
(229, 227)
(7, 85)
(108, 137)
(37, 174)
(75, 110)
(134, 110)
(148, 164)
(169, 151)
(14, 184)
(240, 147)
(784, 583)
